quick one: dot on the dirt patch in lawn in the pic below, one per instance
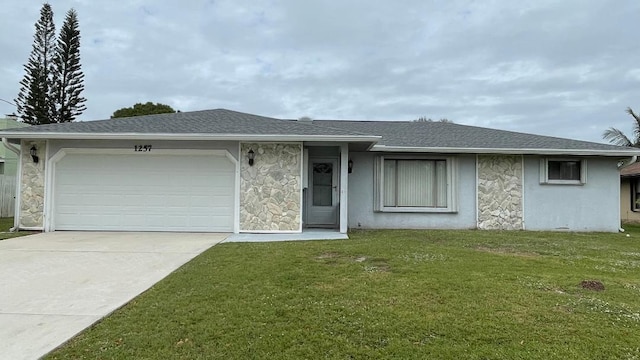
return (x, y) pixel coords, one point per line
(594, 285)
(328, 255)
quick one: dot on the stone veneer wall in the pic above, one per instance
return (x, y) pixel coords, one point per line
(31, 185)
(500, 192)
(270, 190)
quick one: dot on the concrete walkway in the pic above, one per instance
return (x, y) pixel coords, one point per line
(54, 285)
(307, 234)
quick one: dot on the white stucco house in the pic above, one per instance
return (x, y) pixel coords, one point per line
(226, 171)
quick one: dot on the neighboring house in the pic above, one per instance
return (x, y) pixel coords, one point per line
(226, 171)
(8, 158)
(630, 193)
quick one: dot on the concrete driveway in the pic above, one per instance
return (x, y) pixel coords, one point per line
(54, 285)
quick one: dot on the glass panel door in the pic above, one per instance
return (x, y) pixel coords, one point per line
(322, 184)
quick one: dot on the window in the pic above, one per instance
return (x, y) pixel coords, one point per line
(322, 184)
(415, 184)
(563, 171)
(635, 194)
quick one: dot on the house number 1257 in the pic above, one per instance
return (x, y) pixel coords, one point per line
(143, 148)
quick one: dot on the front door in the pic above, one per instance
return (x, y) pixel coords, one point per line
(322, 201)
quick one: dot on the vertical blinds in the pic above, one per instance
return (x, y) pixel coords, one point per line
(415, 183)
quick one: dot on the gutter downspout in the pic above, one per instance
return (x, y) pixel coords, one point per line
(624, 163)
(12, 147)
(9, 146)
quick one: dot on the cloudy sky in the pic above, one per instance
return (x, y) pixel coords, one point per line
(564, 68)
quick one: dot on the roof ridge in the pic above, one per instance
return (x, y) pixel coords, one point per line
(483, 128)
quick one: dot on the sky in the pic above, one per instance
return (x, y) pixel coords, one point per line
(562, 68)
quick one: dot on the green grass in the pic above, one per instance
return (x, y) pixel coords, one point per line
(5, 225)
(388, 295)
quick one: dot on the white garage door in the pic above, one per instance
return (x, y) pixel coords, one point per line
(144, 192)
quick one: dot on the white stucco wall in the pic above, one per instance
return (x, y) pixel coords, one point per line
(361, 190)
(593, 206)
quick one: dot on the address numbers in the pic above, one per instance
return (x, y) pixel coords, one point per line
(142, 148)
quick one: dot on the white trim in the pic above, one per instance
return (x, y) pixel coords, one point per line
(305, 168)
(194, 136)
(48, 190)
(31, 228)
(127, 151)
(344, 188)
(50, 166)
(452, 182)
(18, 202)
(271, 231)
(236, 201)
(50, 172)
(512, 151)
(477, 191)
(378, 179)
(302, 169)
(522, 192)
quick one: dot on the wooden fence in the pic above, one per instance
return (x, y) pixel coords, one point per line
(7, 195)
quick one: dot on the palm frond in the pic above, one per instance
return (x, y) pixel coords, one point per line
(635, 116)
(616, 137)
(636, 126)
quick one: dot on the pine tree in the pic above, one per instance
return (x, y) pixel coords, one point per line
(35, 104)
(69, 83)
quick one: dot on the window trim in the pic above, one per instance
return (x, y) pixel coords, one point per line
(544, 172)
(633, 191)
(452, 185)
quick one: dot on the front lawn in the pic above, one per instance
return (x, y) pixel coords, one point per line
(5, 225)
(388, 295)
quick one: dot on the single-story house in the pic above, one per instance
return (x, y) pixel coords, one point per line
(630, 193)
(226, 171)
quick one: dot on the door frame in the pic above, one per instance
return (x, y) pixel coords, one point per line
(335, 194)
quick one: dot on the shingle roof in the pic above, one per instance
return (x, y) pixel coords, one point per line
(218, 121)
(631, 170)
(385, 135)
(451, 135)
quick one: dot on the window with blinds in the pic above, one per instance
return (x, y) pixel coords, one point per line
(415, 184)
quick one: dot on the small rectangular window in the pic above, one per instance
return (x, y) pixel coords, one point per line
(563, 171)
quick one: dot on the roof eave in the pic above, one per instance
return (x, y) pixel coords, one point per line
(195, 137)
(507, 151)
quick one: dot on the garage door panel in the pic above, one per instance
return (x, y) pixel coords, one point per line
(144, 193)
